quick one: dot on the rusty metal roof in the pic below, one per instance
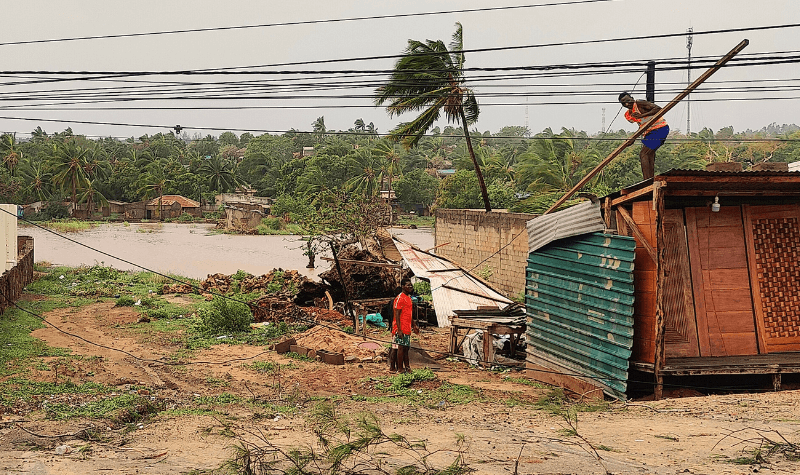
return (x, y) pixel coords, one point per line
(452, 287)
(169, 199)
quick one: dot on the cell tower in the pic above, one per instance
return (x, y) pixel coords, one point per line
(689, 79)
(603, 123)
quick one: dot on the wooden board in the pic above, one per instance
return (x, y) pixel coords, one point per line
(645, 277)
(723, 307)
(773, 245)
(681, 331)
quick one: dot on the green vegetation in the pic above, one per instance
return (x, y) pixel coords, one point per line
(418, 221)
(224, 316)
(70, 225)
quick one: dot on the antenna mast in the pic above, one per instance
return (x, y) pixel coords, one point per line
(689, 40)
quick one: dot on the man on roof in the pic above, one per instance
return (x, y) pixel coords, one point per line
(639, 112)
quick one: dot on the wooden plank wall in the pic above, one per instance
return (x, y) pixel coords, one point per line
(723, 304)
(645, 275)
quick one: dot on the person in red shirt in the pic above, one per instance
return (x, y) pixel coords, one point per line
(401, 325)
(639, 112)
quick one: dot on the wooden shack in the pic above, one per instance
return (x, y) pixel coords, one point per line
(716, 275)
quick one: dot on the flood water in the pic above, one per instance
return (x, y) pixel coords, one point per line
(191, 250)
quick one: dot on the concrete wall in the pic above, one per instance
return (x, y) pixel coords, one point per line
(474, 235)
(14, 280)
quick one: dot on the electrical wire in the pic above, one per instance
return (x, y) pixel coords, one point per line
(303, 22)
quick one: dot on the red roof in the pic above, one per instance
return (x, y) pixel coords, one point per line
(167, 200)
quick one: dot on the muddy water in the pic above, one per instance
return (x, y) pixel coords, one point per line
(191, 250)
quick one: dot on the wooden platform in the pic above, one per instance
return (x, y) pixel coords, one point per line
(773, 363)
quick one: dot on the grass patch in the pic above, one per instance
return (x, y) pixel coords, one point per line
(556, 402)
(433, 396)
(21, 389)
(124, 409)
(70, 225)
(418, 221)
(268, 367)
(526, 382)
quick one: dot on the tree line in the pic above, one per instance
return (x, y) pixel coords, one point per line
(524, 172)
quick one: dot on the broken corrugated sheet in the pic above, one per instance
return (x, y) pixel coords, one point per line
(452, 287)
(387, 245)
(579, 297)
(576, 220)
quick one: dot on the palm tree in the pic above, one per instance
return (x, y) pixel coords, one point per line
(69, 166)
(91, 195)
(371, 169)
(37, 178)
(152, 184)
(319, 128)
(386, 149)
(430, 78)
(9, 152)
(219, 174)
(359, 125)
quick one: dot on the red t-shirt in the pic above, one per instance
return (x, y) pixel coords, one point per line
(403, 303)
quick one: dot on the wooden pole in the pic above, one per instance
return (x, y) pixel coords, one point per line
(344, 288)
(661, 321)
(652, 121)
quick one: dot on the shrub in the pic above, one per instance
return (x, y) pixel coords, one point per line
(223, 316)
(125, 301)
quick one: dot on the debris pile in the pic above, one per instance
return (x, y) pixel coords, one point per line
(271, 309)
(362, 281)
(219, 283)
(322, 338)
(276, 282)
(177, 289)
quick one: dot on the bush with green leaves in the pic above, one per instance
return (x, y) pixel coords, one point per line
(125, 301)
(224, 316)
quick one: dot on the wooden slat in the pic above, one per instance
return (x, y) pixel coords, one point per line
(661, 321)
(637, 232)
(633, 195)
(698, 285)
(681, 332)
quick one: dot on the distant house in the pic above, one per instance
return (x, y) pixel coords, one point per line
(173, 206)
(308, 151)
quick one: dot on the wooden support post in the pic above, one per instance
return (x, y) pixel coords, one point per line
(344, 289)
(776, 381)
(638, 233)
(607, 212)
(649, 123)
(661, 321)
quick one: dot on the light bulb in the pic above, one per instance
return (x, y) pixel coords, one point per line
(715, 205)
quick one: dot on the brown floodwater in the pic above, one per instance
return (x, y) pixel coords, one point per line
(191, 250)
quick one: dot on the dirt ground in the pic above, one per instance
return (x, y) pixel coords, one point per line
(505, 432)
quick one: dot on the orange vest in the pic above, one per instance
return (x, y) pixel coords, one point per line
(659, 123)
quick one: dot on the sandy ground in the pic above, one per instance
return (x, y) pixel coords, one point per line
(697, 435)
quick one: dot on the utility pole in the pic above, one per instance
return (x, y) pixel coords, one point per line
(650, 90)
(689, 40)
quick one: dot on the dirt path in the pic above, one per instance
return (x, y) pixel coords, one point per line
(667, 437)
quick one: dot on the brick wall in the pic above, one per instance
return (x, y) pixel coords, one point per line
(467, 237)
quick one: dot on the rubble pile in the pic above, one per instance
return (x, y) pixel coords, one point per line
(219, 283)
(272, 309)
(276, 282)
(322, 338)
(363, 282)
(177, 289)
(325, 315)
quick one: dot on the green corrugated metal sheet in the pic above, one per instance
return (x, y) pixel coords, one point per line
(580, 306)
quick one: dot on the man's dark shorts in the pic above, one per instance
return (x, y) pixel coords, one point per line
(656, 138)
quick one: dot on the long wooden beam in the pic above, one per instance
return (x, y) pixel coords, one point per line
(652, 121)
(638, 233)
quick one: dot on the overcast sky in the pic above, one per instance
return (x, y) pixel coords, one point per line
(27, 21)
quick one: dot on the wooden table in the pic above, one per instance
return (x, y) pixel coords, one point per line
(489, 328)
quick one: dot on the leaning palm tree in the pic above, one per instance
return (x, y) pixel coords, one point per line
(430, 78)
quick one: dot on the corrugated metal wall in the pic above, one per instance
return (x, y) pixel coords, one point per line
(579, 296)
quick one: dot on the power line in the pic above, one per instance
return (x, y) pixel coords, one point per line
(231, 69)
(303, 22)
